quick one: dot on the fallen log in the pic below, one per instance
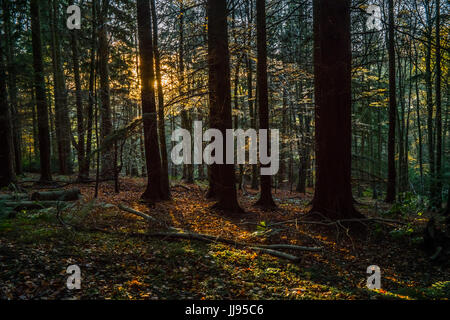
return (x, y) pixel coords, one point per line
(60, 195)
(13, 197)
(277, 253)
(291, 247)
(31, 205)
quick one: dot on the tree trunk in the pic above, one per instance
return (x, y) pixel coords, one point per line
(9, 44)
(222, 176)
(390, 195)
(186, 122)
(153, 191)
(419, 122)
(332, 70)
(430, 107)
(7, 175)
(251, 99)
(62, 123)
(41, 102)
(92, 93)
(438, 183)
(107, 159)
(165, 185)
(79, 103)
(265, 198)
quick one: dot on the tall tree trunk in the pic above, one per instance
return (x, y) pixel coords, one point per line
(9, 44)
(222, 176)
(7, 174)
(438, 187)
(106, 127)
(41, 102)
(265, 198)
(390, 195)
(186, 122)
(419, 122)
(92, 92)
(165, 185)
(251, 99)
(332, 70)
(62, 123)
(153, 191)
(430, 107)
(80, 145)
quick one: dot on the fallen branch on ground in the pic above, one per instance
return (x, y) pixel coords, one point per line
(269, 249)
(13, 197)
(332, 223)
(180, 186)
(30, 205)
(212, 239)
(145, 216)
(61, 195)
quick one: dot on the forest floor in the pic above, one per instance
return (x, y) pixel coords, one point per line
(118, 260)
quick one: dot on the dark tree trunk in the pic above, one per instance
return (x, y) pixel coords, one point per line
(302, 141)
(332, 70)
(390, 195)
(9, 44)
(438, 187)
(265, 198)
(165, 185)
(62, 121)
(430, 107)
(7, 175)
(251, 100)
(92, 93)
(41, 101)
(153, 191)
(186, 122)
(107, 159)
(222, 176)
(80, 146)
(419, 123)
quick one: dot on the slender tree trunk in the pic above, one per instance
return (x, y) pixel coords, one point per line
(222, 179)
(332, 70)
(390, 195)
(107, 159)
(165, 185)
(265, 198)
(251, 99)
(92, 92)
(282, 170)
(41, 102)
(7, 175)
(80, 146)
(186, 122)
(62, 123)
(438, 187)
(153, 191)
(430, 107)
(419, 123)
(9, 44)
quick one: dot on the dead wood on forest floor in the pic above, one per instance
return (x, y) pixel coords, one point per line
(182, 234)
